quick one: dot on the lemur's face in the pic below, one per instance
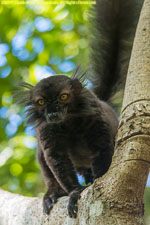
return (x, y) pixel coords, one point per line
(53, 98)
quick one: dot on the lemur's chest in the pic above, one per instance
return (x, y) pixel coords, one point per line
(80, 152)
(80, 155)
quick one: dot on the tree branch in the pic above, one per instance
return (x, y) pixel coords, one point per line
(20, 210)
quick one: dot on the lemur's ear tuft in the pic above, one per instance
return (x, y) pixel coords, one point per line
(79, 75)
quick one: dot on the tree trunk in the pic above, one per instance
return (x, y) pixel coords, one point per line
(117, 197)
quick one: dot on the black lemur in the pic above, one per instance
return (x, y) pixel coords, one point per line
(75, 126)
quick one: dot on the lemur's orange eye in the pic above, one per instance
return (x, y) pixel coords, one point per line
(63, 97)
(41, 102)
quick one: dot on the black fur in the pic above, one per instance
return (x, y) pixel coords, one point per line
(113, 26)
(77, 135)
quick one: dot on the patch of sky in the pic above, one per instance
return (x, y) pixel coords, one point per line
(30, 142)
(10, 129)
(23, 54)
(30, 131)
(43, 72)
(3, 112)
(54, 60)
(66, 66)
(89, 84)
(3, 60)
(80, 178)
(4, 72)
(148, 180)
(38, 45)
(24, 32)
(19, 41)
(43, 24)
(68, 25)
(4, 48)
(15, 119)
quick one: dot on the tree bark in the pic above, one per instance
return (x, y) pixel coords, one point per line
(117, 197)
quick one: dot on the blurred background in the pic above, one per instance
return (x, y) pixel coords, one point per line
(36, 41)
